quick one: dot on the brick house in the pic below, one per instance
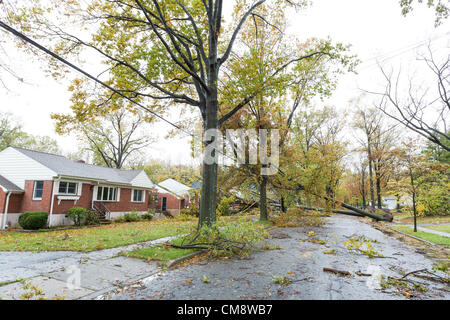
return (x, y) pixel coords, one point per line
(172, 196)
(38, 181)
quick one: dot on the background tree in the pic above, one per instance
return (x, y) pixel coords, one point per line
(12, 134)
(112, 138)
(368, 121)
(440, 7)
(170, 51)
(419, 110)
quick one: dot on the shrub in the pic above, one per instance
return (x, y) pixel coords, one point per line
(119, 220)
(77, 215)
(224, 206)
(296, 217)
(193, 211)
(147, 216)
(92, 218)
(33, 220)
(131, 217)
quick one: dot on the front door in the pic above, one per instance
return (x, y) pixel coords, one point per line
(164, 204)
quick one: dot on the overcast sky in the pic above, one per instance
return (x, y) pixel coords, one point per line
(375, 28)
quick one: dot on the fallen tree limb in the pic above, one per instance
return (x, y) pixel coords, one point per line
(338, 272)
(349, 213)
(354, 212)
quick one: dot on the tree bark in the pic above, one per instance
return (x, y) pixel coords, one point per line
(369, 156)
(283, 208)
(207, 214)
(378, 186)
(263, 216)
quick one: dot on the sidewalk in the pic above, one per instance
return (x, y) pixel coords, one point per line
(424, 229)
(97, 271)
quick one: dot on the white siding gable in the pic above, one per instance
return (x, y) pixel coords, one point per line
(142, 180)
(17, 167)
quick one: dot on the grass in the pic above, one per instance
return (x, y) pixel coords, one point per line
(442, 227)
(91, 239)
(407, 219)
(434, 238)
(159, 252)
(4, 283)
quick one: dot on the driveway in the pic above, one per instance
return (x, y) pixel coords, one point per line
(303, 263)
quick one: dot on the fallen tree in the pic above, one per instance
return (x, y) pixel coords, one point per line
(355, 212)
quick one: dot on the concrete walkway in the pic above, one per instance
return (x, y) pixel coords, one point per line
(55, 272)
(425, 229)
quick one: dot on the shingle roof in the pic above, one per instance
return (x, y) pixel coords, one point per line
(8, 185)
(64, 166)
(175, 186)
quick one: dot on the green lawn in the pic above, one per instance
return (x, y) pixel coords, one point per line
(90, 239)
(424, 235)
(410, 219)
(159, 252)
(442, 227)
(163, 252)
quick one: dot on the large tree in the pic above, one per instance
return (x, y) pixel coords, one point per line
(157, 53)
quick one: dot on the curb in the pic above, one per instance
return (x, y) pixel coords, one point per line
(184, 258)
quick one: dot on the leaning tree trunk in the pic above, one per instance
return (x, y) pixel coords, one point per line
(263, 216)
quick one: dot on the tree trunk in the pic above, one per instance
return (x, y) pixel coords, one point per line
(363, 190)
(263, 216)
(378, 185)
(207, 215)
(415, 211)
(413, 199)
(369, 156)
(209, 183)
(283, 208)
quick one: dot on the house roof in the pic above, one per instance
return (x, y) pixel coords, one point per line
(163, 190)
(8, 185)
(66, 167)
(175, 186)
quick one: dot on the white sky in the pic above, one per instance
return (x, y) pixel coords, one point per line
(375, 28)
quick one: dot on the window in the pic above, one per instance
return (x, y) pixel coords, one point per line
(38, 189)
(67, 187)
(106, 194)
(138, 196)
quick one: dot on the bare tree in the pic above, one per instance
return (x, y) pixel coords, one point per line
(417, 111)
(368, 121)
(115, 140)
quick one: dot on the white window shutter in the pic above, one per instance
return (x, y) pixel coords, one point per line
(118, 194)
